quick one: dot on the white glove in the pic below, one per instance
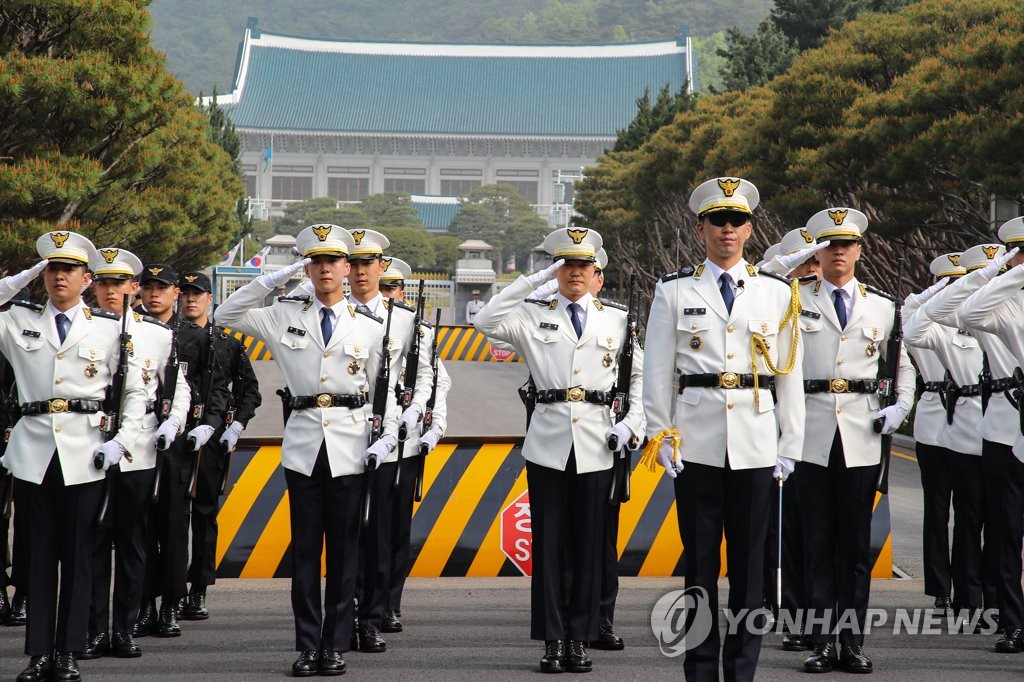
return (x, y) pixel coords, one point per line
(545, 275)
(378, 451)
(993, 268)
(893, 415)
(272, 280)
(622, 434)
(794, 259)
(229, 439)
(431, 438)
(546, 290)
(784, 466)
(665, 453)
(112, 452)
(635, 443)
(198, 436)
(22, 279)
(922, 297)
(166, 433)
(411, 419)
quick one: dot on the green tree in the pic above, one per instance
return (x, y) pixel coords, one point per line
(411, 244)
(301, 214)
(100, 138)
(390, 209)
(757, 58)
(446, 251)
(649, 118)
(503, 219)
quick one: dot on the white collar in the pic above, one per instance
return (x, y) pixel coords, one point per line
(737, 272)
(69, 313)
(584, 301)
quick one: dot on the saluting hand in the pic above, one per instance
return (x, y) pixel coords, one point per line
(794, 259)
(272, 280)
(25, 277)
(545, 275)
(993, 268)
(923, 297)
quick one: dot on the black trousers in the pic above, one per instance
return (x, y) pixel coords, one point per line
(794, 586)
(710, 500)
(202, 570)
(968, 519)
(376, 558)
(62, 519)
(837, 502)
(324, 512)
(610, 570)
(937, 490)
(19, 549)
(995, 468)
(402, 523)
(167, 552)
(1004, 530)
(125, 532)
(567, 513)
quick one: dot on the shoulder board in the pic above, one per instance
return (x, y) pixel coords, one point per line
(807, 279)
(424, 323)
(38, 307)
(877, 292)
(685, 271)
(100, 312)
(537, 301)
(294, 299)
(817, 286)
(137, 315)
(613, 304)
(751, 270)
(153, 320)
(400, 305)
(785, 280)
(369, 315)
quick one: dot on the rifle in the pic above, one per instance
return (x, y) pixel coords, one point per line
(380, 401)
(528, 394)
(428, 416)
(237, 389)
(412, 364)
(887, 386)
(199, 410)
(985, 379)
(113, 412)
(620, 403)
(167, 389)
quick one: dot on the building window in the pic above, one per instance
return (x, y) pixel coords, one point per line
(348, 189)
(407, 185)
(292, 188)
(458, 188)
(250, 185)
(527, 190)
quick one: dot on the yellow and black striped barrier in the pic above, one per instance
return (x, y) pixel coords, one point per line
(456, 528)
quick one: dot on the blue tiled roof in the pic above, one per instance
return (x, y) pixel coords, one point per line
(436, 215)
(294, 84)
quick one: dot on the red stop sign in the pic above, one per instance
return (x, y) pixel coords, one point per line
(517, 533)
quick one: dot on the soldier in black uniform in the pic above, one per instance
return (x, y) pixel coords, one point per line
(231, 360)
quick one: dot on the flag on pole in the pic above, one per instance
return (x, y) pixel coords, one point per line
(267, 155)
(257, 260)
(229, 257)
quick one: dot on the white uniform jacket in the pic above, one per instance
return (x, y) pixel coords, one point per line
(853, 353)
(80, 368)
(930, 417)
(347, 365)
(151, 340)
(542, 333)
(999, 425)
(961, 355)
(689, 331)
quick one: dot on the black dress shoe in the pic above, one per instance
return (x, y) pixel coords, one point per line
(5, 605)
(65, 667)
(179, 607)
(331, 663)
(195, 604)
(823, 660)
(554, 657)
(853, 660)
(370, 641)
(1011, 641)
(39, 668)
(168, 625)
(391, 622)
(145, 624)
(607, 640)
(943, 603)
(96, 647)
(576, 658)
(122, 645)
(19, 610)
(794, 641)
(307, 664)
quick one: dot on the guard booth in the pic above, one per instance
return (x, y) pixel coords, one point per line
(227, 278)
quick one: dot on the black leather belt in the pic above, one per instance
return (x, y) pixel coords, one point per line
(968, 390)
(575, 394)
(933, 386)
(1005, 384)
(58, 405)
(725, 380)
(304, 402)
(842, 385)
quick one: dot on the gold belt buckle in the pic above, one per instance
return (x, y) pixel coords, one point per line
(838, 386)
(728, 380)
(324, 400)
(575, 394)
(58, 405)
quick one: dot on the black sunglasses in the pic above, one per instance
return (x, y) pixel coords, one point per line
(734, 218)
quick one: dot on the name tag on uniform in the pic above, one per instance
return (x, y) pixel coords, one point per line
(183, 368)
(811, 314)
(695, 311)
(296, 331)
(961, 332)
(29, 332)
(549, 325)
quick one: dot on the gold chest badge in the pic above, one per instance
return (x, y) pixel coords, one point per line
(607, 360)
(696, 343)
(91, 370)
(353, 367)
(147, 376)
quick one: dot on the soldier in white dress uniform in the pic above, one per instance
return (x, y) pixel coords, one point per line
(844, 327)
(571, 345)
(329, 354)
(716, 434)
(64, 356)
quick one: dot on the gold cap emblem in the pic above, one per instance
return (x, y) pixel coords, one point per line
(155, 271)
(191, 278)
(838, 216)
(576, 235)
(806, 235)
(990, 251)
(321, 231)
(59, 238)
(728, 186)
(954, 258)
(109, 255)
(386, 262)
(357, 236)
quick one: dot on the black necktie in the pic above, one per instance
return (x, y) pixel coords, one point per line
(725, 286)
(326, 328)
(574, 315)
(62, 328)
(837, 300)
